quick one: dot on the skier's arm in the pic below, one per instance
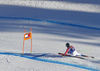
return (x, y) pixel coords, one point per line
(66, 52)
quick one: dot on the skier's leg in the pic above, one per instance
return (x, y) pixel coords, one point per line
(75, 53)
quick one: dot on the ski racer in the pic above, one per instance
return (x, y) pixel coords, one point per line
(71, 51)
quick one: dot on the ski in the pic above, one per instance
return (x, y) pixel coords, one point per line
(71, 56)
(87, 56)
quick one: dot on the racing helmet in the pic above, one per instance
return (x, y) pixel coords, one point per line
(67, 45)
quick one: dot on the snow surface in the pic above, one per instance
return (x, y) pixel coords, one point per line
(53, 22)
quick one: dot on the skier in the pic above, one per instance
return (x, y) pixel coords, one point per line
(71, 51)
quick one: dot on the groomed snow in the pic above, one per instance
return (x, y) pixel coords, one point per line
(54, 23)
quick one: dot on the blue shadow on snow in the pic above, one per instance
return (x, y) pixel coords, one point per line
(37, 58)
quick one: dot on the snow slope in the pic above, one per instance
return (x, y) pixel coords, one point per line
(54, 23)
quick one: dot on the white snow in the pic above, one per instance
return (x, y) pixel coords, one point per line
(80, 28)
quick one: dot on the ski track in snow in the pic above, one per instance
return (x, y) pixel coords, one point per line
(55, 22)
(36, 57)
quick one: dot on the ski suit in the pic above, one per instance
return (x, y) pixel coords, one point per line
(71, 51)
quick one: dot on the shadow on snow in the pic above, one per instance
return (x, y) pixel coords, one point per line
(82, 24)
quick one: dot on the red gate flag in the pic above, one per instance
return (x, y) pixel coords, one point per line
(27, 36)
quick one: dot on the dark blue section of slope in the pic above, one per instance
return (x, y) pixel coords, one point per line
(74, 25)
(55, 22)
(48, 60)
